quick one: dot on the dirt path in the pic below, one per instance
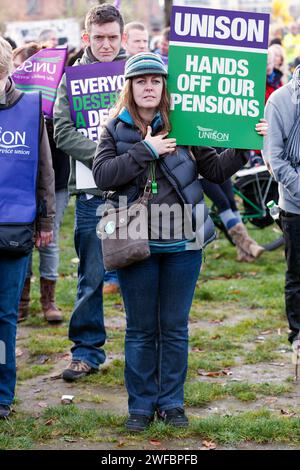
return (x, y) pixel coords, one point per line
(46, 390)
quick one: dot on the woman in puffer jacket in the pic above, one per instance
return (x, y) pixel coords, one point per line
(158, 291)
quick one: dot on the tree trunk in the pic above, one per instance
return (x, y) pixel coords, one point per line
(167, 9)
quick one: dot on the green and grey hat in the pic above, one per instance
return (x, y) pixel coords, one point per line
(145, 63)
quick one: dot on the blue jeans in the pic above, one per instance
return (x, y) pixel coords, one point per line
(158, 294)
(86, 328)
(13, 272)
(111, 277)
(49, 255)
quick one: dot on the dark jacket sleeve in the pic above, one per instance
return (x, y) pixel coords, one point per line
(218, 167)
(111, 170)
(45, 185)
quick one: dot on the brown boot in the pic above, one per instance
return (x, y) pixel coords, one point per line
(51, 312)
(24, 301)
(242, 239)
(242, 256)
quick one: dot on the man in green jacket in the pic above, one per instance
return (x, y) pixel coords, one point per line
(104, 28)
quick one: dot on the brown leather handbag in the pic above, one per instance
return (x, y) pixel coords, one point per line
(124, 233)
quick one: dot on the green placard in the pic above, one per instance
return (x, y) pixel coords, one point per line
(217, 76)
(216, 109)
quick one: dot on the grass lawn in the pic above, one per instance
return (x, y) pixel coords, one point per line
(240, 386)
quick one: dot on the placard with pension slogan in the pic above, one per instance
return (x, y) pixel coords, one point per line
(217, 76)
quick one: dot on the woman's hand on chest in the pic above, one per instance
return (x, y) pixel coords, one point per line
(160, 143)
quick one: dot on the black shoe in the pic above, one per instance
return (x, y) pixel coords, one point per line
(4, 411)
(174, 416)
(138, 423)
(77, 370)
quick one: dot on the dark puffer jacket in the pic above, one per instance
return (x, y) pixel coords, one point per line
(122, 162)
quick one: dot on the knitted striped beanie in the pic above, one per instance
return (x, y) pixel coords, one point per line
(144, 63)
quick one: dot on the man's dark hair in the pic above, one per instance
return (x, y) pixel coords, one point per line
(101, 14)
(276, 41)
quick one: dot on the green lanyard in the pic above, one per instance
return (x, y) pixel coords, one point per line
(154, 186)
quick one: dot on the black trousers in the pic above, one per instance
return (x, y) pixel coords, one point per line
(291, 229)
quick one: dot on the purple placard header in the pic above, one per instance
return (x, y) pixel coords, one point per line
(219, 27)
(92, 90)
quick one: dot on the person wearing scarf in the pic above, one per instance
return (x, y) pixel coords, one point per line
(282, 156)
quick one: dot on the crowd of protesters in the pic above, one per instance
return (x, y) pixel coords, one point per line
(157, 292)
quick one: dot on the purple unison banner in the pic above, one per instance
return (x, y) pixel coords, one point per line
(219, 27)
(42, 72)
(92, 90)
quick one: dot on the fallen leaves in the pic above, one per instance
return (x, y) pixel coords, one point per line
(53, 377)
(216, 321)
(121, 443)
(215, 337)
(194, 349)
(287, 414)
(42, 359)
(155, 442)
(69, 439)
(65, 356)
(260, 339)
(270, 400)
(208, 445)
(19, 352)
(118, 306)
(219, 373)
(226, 277)
(49, 422)
(43, 404)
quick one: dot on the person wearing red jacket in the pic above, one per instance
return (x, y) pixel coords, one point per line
(275, 69)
